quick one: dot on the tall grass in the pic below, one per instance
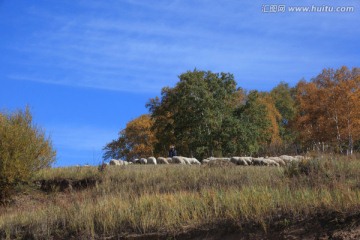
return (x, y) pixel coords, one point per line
(173, 199)
(75, 173)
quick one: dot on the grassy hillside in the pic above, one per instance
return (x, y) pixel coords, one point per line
(176, 201)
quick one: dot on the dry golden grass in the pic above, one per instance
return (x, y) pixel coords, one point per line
(172, 199)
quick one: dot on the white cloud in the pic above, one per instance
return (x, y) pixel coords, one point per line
(140, 46)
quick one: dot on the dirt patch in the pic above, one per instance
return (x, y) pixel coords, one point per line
(323, 226)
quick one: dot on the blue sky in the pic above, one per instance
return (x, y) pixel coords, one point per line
(87, 67)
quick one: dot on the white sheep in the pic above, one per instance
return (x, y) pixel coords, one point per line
(115, 162)
(170, 160)
(270, 162)
(187, 160)
(248, 160)
(238, 161)
(151, 160)
(278, 160)
(259, 162)
(143, 161)
(215, 159)
(162, 160)
(223, 159)
(287, 159)
(178, 160)
(193, 161)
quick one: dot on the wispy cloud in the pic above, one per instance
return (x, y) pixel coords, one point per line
(140, 46)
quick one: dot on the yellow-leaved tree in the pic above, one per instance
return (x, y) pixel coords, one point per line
(329, 110)
(273, 116)
(135, 141)
(24, 149)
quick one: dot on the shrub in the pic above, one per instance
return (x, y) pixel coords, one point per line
(24, 149)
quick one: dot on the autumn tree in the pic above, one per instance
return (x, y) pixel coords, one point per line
(135, 141)
(273, 116)
(24, 149)
(329, 110)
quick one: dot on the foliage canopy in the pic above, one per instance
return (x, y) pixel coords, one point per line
(135, 141)
(24, 149)
(205, 114)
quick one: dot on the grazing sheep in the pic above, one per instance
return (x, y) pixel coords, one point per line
(215, 159)
(170, 160)
(151, 160)
(193, 161)
(162, 160)
(278, 160)
(223, 159)
(287, 159)
(270, 162)
(178, 160)
(259, 162)
(115, 162)
(220, 163)
(186, 160)
(248, 160)
(118, 162)
(239, 161)
(143, 161)
(243, 161)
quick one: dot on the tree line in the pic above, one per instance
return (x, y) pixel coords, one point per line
(206, 114)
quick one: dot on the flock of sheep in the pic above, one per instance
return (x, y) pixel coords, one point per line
(244, 161)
